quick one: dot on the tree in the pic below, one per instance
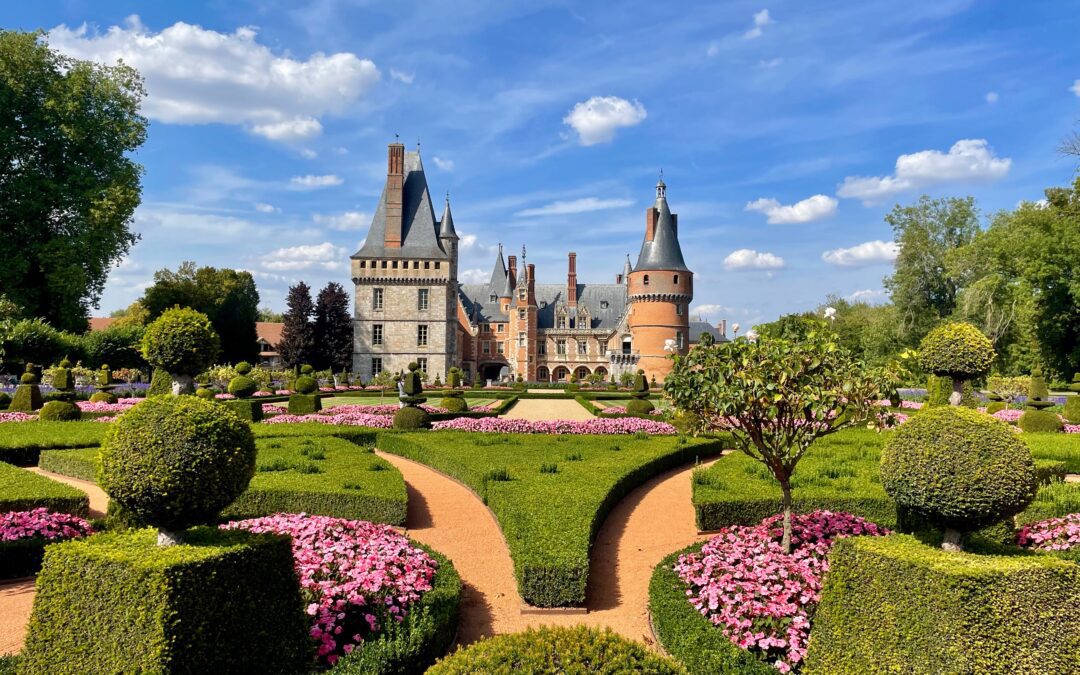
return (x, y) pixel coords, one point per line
(297, 345)
(117, 346)
(68, 189)
(183, 342)
(229, 297)
(134, 314)
(268, 315)
(775, 396)
(333, 331)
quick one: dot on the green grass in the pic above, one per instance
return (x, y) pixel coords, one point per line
(22, 442)
(1062, 447)
(549, 519)
(21, 490)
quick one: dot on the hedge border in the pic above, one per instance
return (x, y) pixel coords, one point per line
(34, 491)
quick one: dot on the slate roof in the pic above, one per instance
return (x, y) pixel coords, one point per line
(419, 233)
(663, 252)
(699, 327)
(476, 298)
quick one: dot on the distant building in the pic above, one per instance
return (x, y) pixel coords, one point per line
(409, 305)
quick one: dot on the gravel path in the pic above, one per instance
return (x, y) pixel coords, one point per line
(538, 409)
(99, 501)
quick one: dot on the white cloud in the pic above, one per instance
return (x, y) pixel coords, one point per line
(466, 242)
(761, 19)
(266, 208)
(597, 119)
(1075, 88)
(324, 256)
(349, 220)
(866, 253)
(770, 63)
(308, 153)
(867, 295)
(584, 205)
(402, 76)
(970, 160)
(312, 182)
(809, 209)
(443, 164)
(748, 259)
(473, 276)
(992, 97)
(709, 310)
(713, 49)
(199, 76)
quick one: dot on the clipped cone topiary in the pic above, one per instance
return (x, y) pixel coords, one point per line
(412, 417)
(160, 383)
(1037, 391)
(959, 469)
(1072, 409)
(639, 403)
(1040, 421)
(27, 396)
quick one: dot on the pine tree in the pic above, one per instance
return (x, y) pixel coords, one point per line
(333, 329)
(297, 335)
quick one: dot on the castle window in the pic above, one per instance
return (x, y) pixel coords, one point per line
(501, 346)
(438, 265)
(395, 265)
(493, 297)
(416, 264)
(427, 264)
(560, 346)
(678, 309)
(521, 339)
(377, 297)
(603, 348)
(521, 314)
(363, 264)
(486, 347)
(646, 280)
(499, 327)
(487, 328)
(521, 295)
(541, 347)
(384, 264)
(562, 322)
(421, 335)
(603, 304)
(676, 278)
(422, 299)
(542, 374)
(376, 334)
(422, 362)
(679, 339)
(583, 347)
(376, 366)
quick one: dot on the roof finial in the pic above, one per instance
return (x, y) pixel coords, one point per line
(447, 196)
(661, 188)
(396, 137)
(523, 254)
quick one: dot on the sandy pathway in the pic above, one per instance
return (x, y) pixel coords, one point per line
(539, 409)
(99, 501)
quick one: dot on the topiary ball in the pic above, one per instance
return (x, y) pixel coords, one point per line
(1040, 421)
(411, 418)
(639, 406)
(243, 368)
(59, 411)
(306, 369)
(958, 468)
(242, 386)
(176, 461)
(205, 394)
(306, 385)
(957, 350)
(28, 378)
(454, 404)
(103, 397)
(182, 341)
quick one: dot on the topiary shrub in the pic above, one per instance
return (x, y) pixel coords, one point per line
(243, 368)
(59, 411)
(248, 410)
(579, 649)
(103, 397)
(959, 469)
(205, 394)
(242, 386)
(174, 462)
(958, 351)
(160, 383)
(455, 404)
(453, 378)
(184, 343)
(1075, 386)
(307, 369)
(1072, 409)
(306, 385)
(411, 418)
(1040, 421)
(937, 391)
(5, 400)
(1037, 390)
(304, 404)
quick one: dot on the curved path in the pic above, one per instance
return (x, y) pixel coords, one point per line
(649, 523)
(539, 409)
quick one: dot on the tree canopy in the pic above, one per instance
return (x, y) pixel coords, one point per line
(297, 346)
(333, 329)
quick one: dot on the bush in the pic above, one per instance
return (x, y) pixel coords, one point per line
(958, 468)
(893, 604)
(182, 341)
(227, 603)
(242, 386)
(640, 406)
(956, 350)
(994, 406)
(160, 383)
(5, 400)
(21, 490)
(454, 404)
(937, 391)
(411, 418)
(205, 394)
(81, 463)
(59, 411)
(103, 397)
(174, 462)
(243, 368)
(307, 369)
(1037, 391)
(116, 345)
(27, 398)
(304, 404)
(1040, 421)
(247, 410)
(556, 650)
(1072, 409)
(306, 385)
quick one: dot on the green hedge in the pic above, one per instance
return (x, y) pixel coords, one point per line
(223, 602)
(357, 435)
(21, 490)
(1061, 447)
(80, 463)
(304, 404)
(894, 604)
(414, 644)
(1039, 421)
(687, 635)
(22, 442)
(549, 518)
(1049, 470)
(246, 409)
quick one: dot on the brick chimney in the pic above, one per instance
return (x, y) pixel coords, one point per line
(571, 280)
(723, 327)
(530, 277)
(395, 182)
(511, 263)
(651, 216)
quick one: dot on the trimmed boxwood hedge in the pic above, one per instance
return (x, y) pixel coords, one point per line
(21, 490)
(304, 404)
(1039, 421)
(688, 636)
(426, 633)
(893, 604)
(223, 602)
(80, 463)
(22, 442)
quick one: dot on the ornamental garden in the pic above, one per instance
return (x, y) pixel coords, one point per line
(775, 505)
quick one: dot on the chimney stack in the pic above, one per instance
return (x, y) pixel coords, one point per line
(651, 216)
(723, 327)
(395, 182)
(571, 281)
(511, 263)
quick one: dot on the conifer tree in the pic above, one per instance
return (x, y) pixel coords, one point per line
(333, 329)
(297, 335)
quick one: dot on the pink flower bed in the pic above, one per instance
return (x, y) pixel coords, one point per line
(599, 425)
(260, 394)
(350, 419)
(356, 576)
(41, 522)
(1055, 534)
(1072, 428)
(121, 405)
(1011, 416)
(16, 417)
(283, 392)
(759, 596)
(224, 397)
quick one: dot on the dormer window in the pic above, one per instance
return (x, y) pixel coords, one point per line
(603, 304)
(493, 297)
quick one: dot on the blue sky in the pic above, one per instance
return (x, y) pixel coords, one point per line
(785, 130)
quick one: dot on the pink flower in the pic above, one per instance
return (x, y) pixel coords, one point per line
(224, 397)
(1055, 534)
(600, 425)
(42, 523)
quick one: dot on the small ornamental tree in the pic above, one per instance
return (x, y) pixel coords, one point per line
(958, 351)
(1008, 389)
(182, 342)
(775, 396)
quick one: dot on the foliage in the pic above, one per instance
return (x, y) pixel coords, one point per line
(298, 335)
(332, 329)
(227, 297)
(22, 490)
(21, 443)
(411, 418)
(249, 410)
(304, 404)
(160, 383)
(1040, 421)
(1037, 390)
(35, 341)
(556, 650)
(26, 399)
(958, 468)
(117, 346)
(181, 341)
(69, 187)
(242, 386)
(1008, 388)
(59, 411)
(174, 462)
(1072, 409)
(956, 350)
(894, 604)
(24, 534)
(227, 603)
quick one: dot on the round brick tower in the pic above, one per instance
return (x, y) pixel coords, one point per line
(660, 289)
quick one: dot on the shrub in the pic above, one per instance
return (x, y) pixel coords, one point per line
(304, 404)
(1072, 409)
(243, 368)
(411, 418)
(640, 407)
(242, 386)
(160, 383)
(959, 469)
(103, 397)
(956, 350)
(247, 410)
(22, 490)
(454, 404)
(1040, 421)
(26, 399)
(1037, 391)
(59, 411)
(5, 400)
(994, 406)
(205, 394)
(306, 385)
(893, 604)
(307, 369)
(227, 603)
(181, 341)
(174, 462)
(555, 650)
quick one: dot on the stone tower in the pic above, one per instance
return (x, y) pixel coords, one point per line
(659, 291)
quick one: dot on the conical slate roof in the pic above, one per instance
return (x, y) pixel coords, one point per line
(419, 234)
(663, 252)
(446, 225)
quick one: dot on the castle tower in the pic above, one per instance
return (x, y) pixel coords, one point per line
(660, 288)
(523, 322)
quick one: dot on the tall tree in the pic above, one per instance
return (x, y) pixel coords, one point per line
(297, 346)
(333, 329)
(68, 189)
(921, 286)
(228, 297)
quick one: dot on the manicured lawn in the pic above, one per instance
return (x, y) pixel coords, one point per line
(20, 442)
(1062, 447)
(550, 494)
(21, 490)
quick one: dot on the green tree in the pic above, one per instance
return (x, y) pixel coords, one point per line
(229, 297)
(269, 315)
(117, 346)
(68, 189)
(297, 345)
(333, 329)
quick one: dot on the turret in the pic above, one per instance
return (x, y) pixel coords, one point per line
(448, 238)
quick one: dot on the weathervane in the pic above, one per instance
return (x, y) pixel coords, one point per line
(523, 253)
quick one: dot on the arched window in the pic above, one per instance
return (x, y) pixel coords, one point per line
(646, 280)
(561, 373)
(542, 374)
(676, 279)
(602, 372)
(582, 372)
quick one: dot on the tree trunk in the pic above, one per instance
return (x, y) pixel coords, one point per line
(957, 391)
(785, 488)
(167, 538)
(952, 541)
(183, 384)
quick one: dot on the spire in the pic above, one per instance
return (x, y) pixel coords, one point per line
(499, 277)
(627, 269)
(446, 225)
(661, 250)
